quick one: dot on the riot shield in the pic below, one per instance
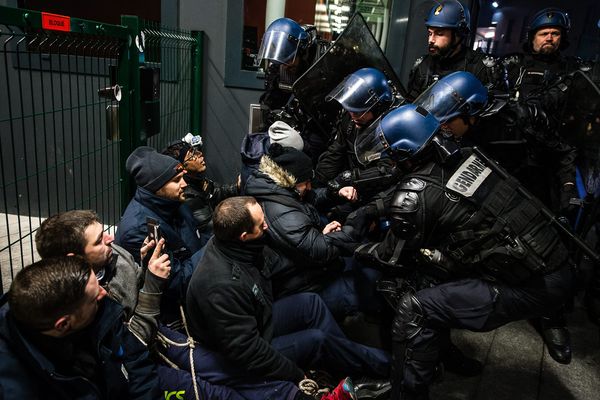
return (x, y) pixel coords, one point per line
(355, 48)
(580, 125)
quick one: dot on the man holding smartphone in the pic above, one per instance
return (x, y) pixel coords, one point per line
(160, 197)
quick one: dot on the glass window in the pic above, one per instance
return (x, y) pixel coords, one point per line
(328, 16)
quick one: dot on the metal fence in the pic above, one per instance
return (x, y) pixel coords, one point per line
(66, 129)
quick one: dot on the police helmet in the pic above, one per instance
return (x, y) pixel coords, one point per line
(449, 14)
(457, 94)
(362, 91)
(550, 17)
(401, 134)
(281, 41)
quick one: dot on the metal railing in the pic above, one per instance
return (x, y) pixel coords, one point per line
(72, 110)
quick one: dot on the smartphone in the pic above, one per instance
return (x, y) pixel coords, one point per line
(153, 229)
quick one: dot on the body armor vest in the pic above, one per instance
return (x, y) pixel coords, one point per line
(506, 237)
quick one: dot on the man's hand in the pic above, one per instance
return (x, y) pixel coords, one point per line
(333, 226)
(349, 193)
(146, 246)
(159, 264)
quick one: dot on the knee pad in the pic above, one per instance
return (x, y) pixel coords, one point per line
(409, 318)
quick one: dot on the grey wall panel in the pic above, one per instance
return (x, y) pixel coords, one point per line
(225, 111)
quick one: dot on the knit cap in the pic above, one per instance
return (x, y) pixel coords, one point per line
(150, 169)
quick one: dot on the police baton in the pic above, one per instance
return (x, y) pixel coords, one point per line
(545, 212)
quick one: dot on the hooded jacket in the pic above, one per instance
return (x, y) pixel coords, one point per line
(126, 369)
(302, 257)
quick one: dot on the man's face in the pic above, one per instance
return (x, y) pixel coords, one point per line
(260, 226)
(194, 161)
(458, 126)
(85, 314)
(439, 41)
(546, 40)
(173, 190)
(303, 187)
(361, 119)
(97, 250)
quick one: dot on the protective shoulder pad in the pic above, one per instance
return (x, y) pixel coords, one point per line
(413, 185)
(512, 59)
(405, 202)
(418, 62)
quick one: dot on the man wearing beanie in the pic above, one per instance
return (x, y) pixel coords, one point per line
(201, 194)
(160, 196)
(306, 255)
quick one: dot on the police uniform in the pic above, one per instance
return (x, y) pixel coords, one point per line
(500, 260)
(429, 69)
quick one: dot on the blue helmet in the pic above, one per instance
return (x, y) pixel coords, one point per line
(457, 94)
(281, 41)
(449, 14)
(550, 17)
(362, 91)
(401, 134)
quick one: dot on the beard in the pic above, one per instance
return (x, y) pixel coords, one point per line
(436, 51)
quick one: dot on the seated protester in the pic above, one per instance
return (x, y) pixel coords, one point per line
(160, 196)
(364, 96)
(201, 194)
(254, 145)
(230, 309)
(307, 254)
(62, 338)
(80, 233)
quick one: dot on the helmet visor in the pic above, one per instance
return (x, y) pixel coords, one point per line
(278, 46)
(371, 145)
(354, 95)
(441, 100)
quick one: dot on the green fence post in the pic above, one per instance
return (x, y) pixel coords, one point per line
(196, 101)
(129, 109)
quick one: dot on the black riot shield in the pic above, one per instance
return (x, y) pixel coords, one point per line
(580, 125)
(355, 48)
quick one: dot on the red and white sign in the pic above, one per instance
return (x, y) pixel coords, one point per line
(56, 22)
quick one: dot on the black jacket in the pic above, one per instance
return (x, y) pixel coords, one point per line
(202, 195)
(303, 258)
(229, 306)
(341, 164)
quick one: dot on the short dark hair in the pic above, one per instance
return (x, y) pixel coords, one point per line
(232, 217)
(177, 150)
(64, 233)
(48, 289)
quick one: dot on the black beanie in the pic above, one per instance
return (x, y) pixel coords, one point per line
(150, 169)
(295, 162)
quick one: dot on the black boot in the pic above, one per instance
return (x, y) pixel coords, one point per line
(557, 339)
(458, 363)
(379, 389)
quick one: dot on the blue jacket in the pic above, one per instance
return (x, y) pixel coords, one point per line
(178, 227)
(254, 145)
(126, 369)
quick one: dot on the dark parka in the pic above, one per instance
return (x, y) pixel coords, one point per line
(26, 373)
(229, 309)
(303, 258)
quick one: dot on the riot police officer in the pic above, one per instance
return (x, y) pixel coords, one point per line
(535, 77)
(448, 27)
(461, 219)
(290, 49)
(364, 95)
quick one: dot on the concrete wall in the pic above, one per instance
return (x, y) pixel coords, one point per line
(225, 110)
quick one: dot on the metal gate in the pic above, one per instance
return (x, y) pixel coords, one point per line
(77, 97)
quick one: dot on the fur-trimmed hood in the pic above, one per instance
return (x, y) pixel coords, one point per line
(279, 175)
